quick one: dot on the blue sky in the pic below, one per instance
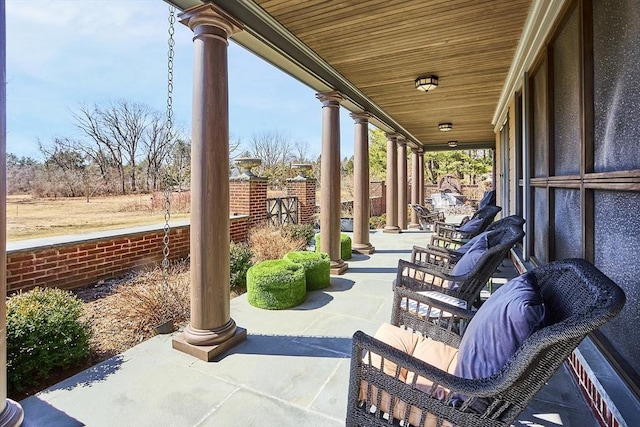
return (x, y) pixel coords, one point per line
(65, 53)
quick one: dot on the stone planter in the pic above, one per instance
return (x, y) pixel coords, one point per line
(245, 164)
(301, 169)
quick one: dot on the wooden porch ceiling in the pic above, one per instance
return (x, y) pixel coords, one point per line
(373, 50)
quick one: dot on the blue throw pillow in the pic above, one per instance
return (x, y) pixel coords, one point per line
(469, 260)
(471, 226)
(497, 330)
(464, 248)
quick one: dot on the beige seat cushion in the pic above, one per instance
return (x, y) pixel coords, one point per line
(433, 352)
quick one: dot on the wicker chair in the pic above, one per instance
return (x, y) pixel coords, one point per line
(452, 231)
(427, 217)
(428, 270)
(449, 246)
(578, 299)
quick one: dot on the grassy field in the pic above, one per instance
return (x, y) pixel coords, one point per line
(30, 218)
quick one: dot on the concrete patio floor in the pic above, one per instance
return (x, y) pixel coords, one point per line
(292, 370)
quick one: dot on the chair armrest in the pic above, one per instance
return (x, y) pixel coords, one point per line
(368, 384)
(428, 257)
(431, 317)
(447, 242)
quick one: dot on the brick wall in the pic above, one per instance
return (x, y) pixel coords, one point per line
(73, 261)
(249, 197)
(305, 191)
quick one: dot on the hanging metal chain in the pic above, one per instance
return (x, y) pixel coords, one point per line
(167, 186)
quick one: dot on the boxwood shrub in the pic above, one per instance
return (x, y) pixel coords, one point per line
(276, 284)
(239, 263)
(45, 331)
(345, 246)
(316, 267)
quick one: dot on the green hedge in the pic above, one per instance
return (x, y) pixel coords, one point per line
(345, 246)
(316, 267)
(276, 284)
(45, 331)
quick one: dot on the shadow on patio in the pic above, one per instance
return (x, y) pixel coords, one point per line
(292, 369)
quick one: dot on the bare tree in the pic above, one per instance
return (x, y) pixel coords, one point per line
(157, 145)
(116, 129)
(69, 172)
(21, 174)
(179, 164)
(275, 149)
(301, 152)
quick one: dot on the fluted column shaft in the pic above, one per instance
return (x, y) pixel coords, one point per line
(11, 413)
(211, 323)
(392, 185)
(402, 183)
(361, 201)
(415, 187)
(330, 201)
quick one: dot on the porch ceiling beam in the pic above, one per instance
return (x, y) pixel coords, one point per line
(266, 38)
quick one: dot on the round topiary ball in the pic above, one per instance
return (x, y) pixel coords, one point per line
(345, 246)
(316, 267)
(276, 284)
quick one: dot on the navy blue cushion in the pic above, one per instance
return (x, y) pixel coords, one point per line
(469, 259)
(464, 248)
(500, 326)
(471, 226)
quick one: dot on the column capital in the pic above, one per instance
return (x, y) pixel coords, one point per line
(330, 99)
(415, 150)
(360, 117)
(391, 136)
(207, 19)
(402, 141)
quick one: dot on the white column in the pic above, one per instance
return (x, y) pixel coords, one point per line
(211, 330)
(11, 413)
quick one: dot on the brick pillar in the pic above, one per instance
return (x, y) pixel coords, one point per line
(248, 196)
(305, 190)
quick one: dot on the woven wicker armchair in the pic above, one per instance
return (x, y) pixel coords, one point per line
(429, 270)
(578, 299)
(452, 231)
(449, 246)
(427, 217)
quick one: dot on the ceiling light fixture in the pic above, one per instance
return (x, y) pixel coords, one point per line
(452, 144)
(445, 127)
(427, 83)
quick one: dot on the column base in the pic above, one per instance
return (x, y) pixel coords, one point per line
(338, 267)
(392, 229)
(208, 352)
(13, 415)
(414, 226)
(363, 248)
